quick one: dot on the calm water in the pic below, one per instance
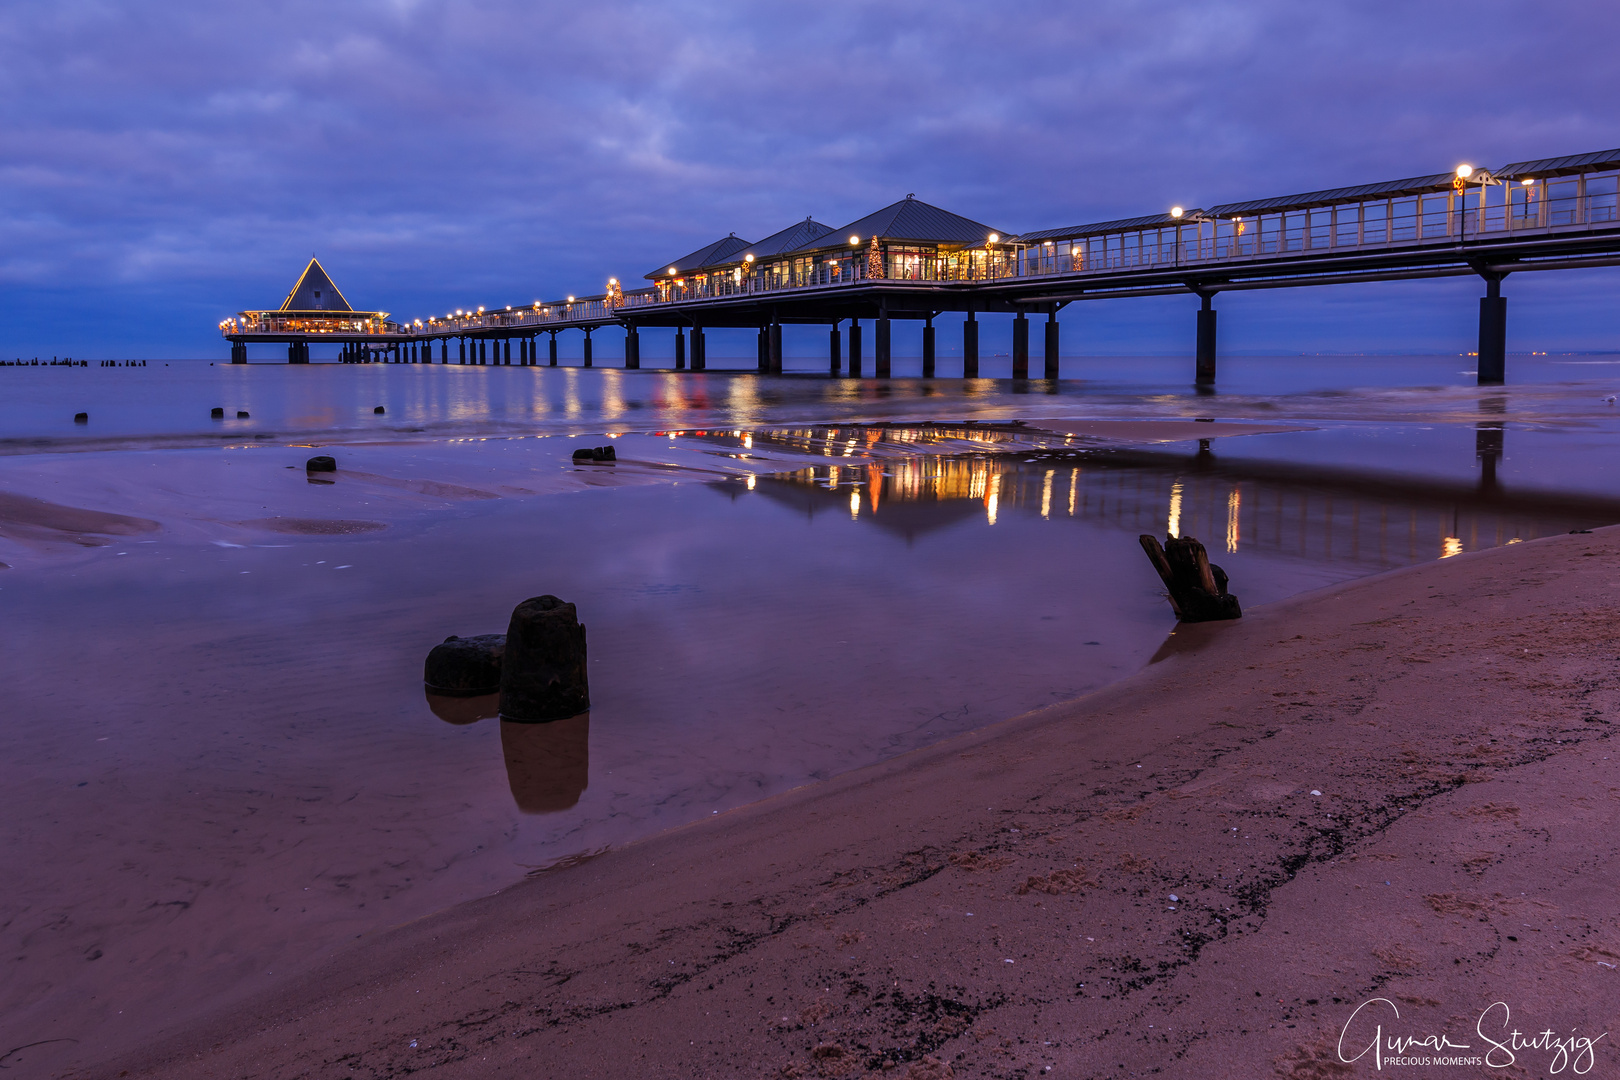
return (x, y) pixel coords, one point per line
(220, 764)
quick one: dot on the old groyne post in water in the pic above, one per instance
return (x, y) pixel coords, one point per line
(912, 261)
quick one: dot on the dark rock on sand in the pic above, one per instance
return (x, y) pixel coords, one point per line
(241, 414)
(321, 463)
(465, 667)
(217, 414)
(598, 453)
(379, 410)
(81, 418)
(543, 676)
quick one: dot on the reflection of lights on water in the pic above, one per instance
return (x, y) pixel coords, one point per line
(854, 504)
(1515, 540)
(748, 441)
(832, 476)
(874, 484)
(1234, 505)
(1074, 488)
(849, 448)
(1452, 545)
(1173, 528)
(612, 394)
(750, 481)
(994, 498)
(1046, 495)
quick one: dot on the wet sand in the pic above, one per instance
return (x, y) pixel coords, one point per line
(1395, 789)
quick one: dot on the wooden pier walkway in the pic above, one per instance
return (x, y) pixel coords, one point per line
(912, 261)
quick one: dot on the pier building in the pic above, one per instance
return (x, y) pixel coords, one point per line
(912, 261)
(314, 310)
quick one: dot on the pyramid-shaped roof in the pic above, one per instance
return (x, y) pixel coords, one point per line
(315, 292)
(909, 219)
(791, 238)
(721, 251)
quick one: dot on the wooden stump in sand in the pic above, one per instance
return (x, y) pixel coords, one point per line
(465, 667)
(1197, 586)
(543, 675)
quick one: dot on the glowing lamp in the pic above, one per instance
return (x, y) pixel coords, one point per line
(1464, 171)
(1176, 212)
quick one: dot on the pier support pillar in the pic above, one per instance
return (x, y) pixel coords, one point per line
(1205, 363)
(1493, 333)
(836, 359)
(588, 347)
(773, 347)
(1020, 347)
(854, 348)
(461, 350)
(680, 349)
(970, 347)
(880, 349)
(700, 350)
(1051, 354)
(632, 349)
(506, 352)
(552, 357)
(444, 350)
(928, 348)
(763, 351)
(238, 353)
(297, 352)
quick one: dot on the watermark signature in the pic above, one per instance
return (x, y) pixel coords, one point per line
(1365, 1033)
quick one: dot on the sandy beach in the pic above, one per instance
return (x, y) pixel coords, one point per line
(1395, 791)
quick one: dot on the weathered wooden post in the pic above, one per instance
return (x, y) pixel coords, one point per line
(543, 673)
(465, 667)
(1196, 586)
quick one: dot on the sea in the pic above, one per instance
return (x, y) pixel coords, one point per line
(221, 766)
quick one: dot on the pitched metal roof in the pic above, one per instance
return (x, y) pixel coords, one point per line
(315, 292)
(794, 236)
(1389, 189)
(1151, 221)
(909, 219)
(1561, 166)
(721, 251)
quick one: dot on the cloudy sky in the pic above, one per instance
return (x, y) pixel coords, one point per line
(163, 165)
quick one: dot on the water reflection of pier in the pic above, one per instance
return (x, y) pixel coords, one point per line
(1378, 521)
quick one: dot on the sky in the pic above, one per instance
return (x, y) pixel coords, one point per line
(164, 165)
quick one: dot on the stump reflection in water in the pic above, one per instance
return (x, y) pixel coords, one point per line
(547, 764)
(463, 710)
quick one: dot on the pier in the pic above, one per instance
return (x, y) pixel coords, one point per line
(911, 262)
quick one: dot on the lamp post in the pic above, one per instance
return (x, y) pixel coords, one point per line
(1460, 186)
